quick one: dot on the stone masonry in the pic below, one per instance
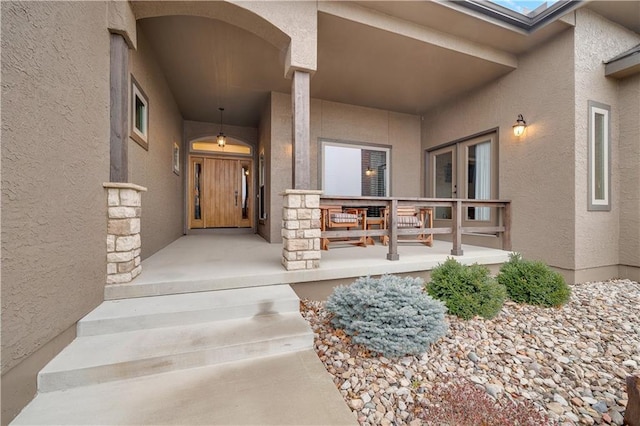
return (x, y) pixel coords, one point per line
(301, 229)
(123, 231)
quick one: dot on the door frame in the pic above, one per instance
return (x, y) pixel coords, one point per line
(249, 222)
(459, 148)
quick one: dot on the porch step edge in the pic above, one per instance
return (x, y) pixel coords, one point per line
(187, 308)
(109, 357)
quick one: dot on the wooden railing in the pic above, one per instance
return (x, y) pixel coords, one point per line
(458, 207)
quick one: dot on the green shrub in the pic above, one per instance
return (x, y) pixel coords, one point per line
(466, 290)
(390, 315)
(533, 282)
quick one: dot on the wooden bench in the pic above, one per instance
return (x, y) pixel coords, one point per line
(337, 217)
(410, 217)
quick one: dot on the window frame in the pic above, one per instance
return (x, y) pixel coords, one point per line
(594, 204)
(352, 144)
(262, 182)
(141, 137)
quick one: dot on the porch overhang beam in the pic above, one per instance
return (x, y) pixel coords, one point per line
(375, 19)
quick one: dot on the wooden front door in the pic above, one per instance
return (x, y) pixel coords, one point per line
(220, 193)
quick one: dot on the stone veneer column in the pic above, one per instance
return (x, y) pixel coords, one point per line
(301, 229)
(123, 231)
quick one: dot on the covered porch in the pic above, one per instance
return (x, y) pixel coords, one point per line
(215, 260)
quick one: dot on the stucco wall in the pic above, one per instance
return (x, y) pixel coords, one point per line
(629, 159)
(536, 170)
(289, 26)
(332, 120)
(55, 157)
(597, 40)
(162, 205)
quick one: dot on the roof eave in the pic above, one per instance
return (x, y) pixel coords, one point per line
(623, 67)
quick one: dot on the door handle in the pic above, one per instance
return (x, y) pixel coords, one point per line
(236, 196)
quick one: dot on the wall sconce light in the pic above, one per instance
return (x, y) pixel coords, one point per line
(518, 128)
(221, 139)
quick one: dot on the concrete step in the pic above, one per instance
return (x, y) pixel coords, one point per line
(116, 316)
(90, 360)
(287, 389)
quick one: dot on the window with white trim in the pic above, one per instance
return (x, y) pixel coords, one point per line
(139, 115)
(599, 157)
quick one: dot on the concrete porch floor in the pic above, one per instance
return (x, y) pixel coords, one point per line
(215, 261)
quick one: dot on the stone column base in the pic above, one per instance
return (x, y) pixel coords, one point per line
(301, 229)
(123, 231)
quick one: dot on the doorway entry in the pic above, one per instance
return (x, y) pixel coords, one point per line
(220, 192)
(465, 169)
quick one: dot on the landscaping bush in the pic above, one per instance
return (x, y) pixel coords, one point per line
(533, 282)
(466, 290)
(463, 404)
(390, 315)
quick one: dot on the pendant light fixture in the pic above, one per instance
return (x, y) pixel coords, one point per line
(221, 139)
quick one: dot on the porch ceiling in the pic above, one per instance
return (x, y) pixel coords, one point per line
(363, 65)
(208, 63)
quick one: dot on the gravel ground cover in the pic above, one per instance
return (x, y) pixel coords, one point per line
(570, 362)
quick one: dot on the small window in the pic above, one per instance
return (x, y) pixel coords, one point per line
(139, 115)
(599, 157)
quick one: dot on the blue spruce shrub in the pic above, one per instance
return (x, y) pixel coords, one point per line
(391, 315)
(467, 291)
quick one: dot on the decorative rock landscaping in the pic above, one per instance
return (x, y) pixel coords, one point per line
(572, 362)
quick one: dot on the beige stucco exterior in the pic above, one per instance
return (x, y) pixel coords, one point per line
(55, 157)
(536, 170)
(153, 168)
(598, 232)
(290, 26)
(629, 185)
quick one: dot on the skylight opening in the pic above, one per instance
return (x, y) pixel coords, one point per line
(528, 8)
(525, 14)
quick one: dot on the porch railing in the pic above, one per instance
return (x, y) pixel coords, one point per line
(458, 207)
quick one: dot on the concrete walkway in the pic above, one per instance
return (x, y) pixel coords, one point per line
(289, 389)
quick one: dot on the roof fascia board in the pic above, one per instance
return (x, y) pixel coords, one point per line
(375, 19)
(623, 67)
